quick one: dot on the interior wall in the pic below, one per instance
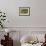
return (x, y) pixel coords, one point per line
(36, 19)
(35, 22)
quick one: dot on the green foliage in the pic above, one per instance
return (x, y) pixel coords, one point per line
(2, 19)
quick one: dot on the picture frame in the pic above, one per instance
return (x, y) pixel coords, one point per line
(24, 11)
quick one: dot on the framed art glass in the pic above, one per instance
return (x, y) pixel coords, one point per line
(24, 11)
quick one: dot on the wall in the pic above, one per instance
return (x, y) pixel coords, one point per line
(34, 22)
(37, 19)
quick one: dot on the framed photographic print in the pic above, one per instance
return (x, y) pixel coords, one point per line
(24, 11)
